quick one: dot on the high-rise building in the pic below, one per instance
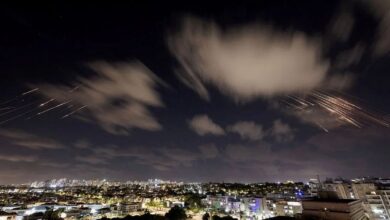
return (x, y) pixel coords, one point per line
(253, 207)
(314, 185)
(360, 190)
(288, 208)
(333, 209)
(343, 190)
(379, 204)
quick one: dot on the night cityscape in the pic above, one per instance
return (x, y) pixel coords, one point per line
(146, 110)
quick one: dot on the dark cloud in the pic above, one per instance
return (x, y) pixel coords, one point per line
(117, 98)
(18, 158)
(93, 159)
(208, 151)
(27, 140)
(350, 57)
(342, 25)
(247, 130)
(82, 144)
(281, 131)
(338, 153)
(162, 159)
(325, 154)
(203, 125)
(381, 11)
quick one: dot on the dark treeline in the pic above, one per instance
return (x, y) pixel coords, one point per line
(175, 213)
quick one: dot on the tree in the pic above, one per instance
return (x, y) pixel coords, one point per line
(206, 216)
(216, 217)
(146, 216)
(176, 213)
(193, 202)
(51, 215)
(34, 216)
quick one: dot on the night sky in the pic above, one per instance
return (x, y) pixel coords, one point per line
(195, 91)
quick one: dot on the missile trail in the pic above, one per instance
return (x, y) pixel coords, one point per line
(336, 106)
(21, 108)
(73, 112)
(10, 100)
(30, 91)
(45, 103)
(74, 89)
(322, 127)
(17, 116)
(18, 108)
(6, 108)
(19, 96)
(54, 107)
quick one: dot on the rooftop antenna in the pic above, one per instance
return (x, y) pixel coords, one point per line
(319, 182)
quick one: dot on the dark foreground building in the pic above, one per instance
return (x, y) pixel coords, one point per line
(333, 209)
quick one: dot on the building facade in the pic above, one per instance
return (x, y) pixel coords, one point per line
(379, 204)
(333, 209)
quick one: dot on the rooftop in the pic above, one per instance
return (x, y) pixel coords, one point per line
(330, 200)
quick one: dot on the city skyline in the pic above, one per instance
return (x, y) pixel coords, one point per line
(65, 182)
(248, 92)
(365, 198)
(102, 181)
